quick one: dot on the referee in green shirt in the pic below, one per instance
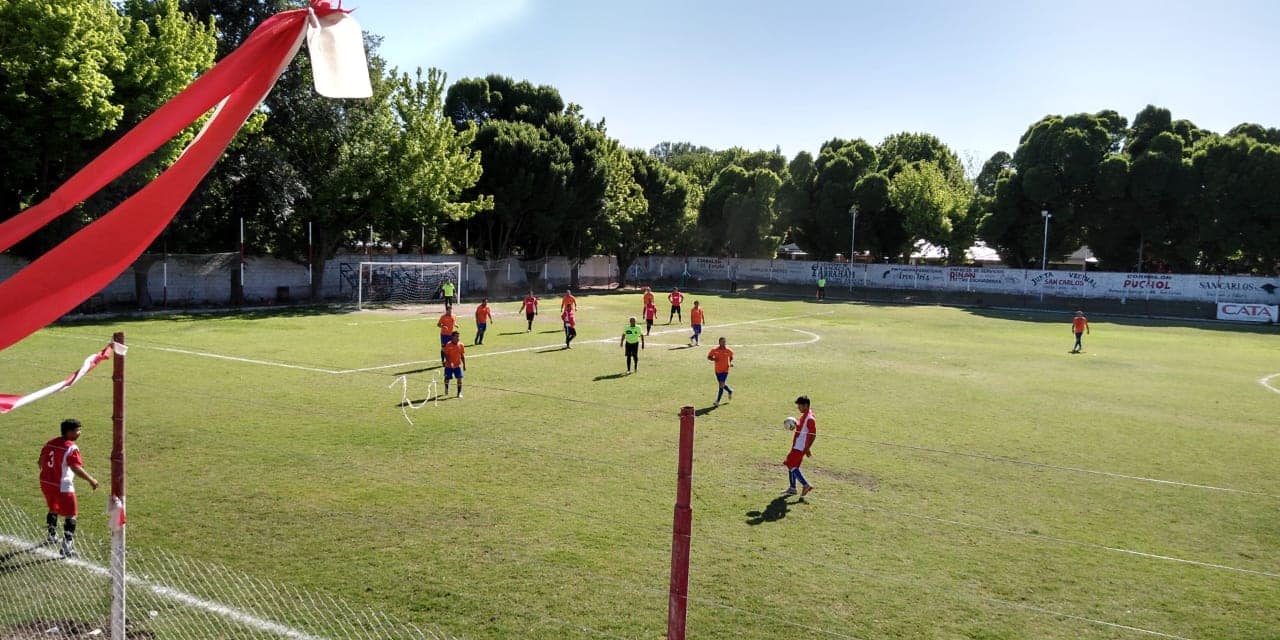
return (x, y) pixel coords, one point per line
(632, 342)
(447, 290)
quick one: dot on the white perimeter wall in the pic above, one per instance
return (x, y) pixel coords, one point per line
(206, 279)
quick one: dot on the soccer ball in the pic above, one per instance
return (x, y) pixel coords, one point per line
(790, 423)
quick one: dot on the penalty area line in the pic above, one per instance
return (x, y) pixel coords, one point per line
(181, 597)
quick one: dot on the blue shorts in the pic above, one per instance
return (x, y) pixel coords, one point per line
(721, 377)
(481, 325)
(697, 328)
(452, 372)
(445, 339)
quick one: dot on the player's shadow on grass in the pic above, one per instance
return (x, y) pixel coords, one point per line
(679, 347)
(512, 333)
(422, 370)
(775, 511)
(705, 410)
(553, 331)
(612, 376)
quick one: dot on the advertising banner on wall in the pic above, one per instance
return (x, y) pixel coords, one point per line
(986, 280)
(890, 276)
(1066, 284)
(1247, 312)
(1148, 286)
(1238, 289)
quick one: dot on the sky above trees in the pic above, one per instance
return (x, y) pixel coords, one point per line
(761, 73)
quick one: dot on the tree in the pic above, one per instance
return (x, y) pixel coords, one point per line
(1054, 168)
(737, 215)
(902, 149)
(526, 171)
(83, 73)
(495, 97)
(931, 206)
(666, 211)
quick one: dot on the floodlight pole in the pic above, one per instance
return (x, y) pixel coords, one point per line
(115, 504)
(853, 237)
(682, 527)
(1044, 253)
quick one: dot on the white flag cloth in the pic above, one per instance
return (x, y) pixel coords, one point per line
(10, 402)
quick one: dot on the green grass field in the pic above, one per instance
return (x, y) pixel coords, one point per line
(973, 479)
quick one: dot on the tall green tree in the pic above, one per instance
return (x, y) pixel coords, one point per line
(1054, 169)
(931, 205)
(662, 222)
(737, 215)
(74, 77)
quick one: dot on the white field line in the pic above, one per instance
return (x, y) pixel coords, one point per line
(216, 356)
(181, 597)
(1048, 538)
(558, 346)
(813, 337)
(1266, 382)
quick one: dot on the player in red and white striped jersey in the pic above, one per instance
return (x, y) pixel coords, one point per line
(60, 463)
(801, 442)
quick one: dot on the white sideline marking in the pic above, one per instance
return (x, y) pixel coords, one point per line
(235, 615)
(558, 346)
(1266, 382)
(216, 356)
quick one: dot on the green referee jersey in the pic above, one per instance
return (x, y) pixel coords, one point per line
(632, 334)
(448, 289)
(822, 282)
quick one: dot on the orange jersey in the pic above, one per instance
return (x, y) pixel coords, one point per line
(648, 298)
(1079, 324)
(446, 324)
(568, 301)
(722, 356)
(695, 317)
(453, 353)
(483, 316)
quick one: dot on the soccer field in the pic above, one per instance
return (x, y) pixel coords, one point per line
(973, 478)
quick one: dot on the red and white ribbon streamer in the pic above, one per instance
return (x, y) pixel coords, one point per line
(10, 402)
(90, 259)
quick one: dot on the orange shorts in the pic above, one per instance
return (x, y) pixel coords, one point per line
(61, 503)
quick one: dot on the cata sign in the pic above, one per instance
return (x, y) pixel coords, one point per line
(1247, 312)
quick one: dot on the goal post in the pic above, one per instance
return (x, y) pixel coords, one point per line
(406, 283)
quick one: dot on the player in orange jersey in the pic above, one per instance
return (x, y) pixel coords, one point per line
(455, 362)
(568, 301)
(446, 323)
(1079, 326)
(695, 318)
(484, 316)
(722, 356)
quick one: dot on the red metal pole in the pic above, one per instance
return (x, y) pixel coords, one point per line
(116, 509)
(117, 421)
(681, 528)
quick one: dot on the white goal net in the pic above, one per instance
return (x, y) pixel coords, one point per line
(406, 283)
